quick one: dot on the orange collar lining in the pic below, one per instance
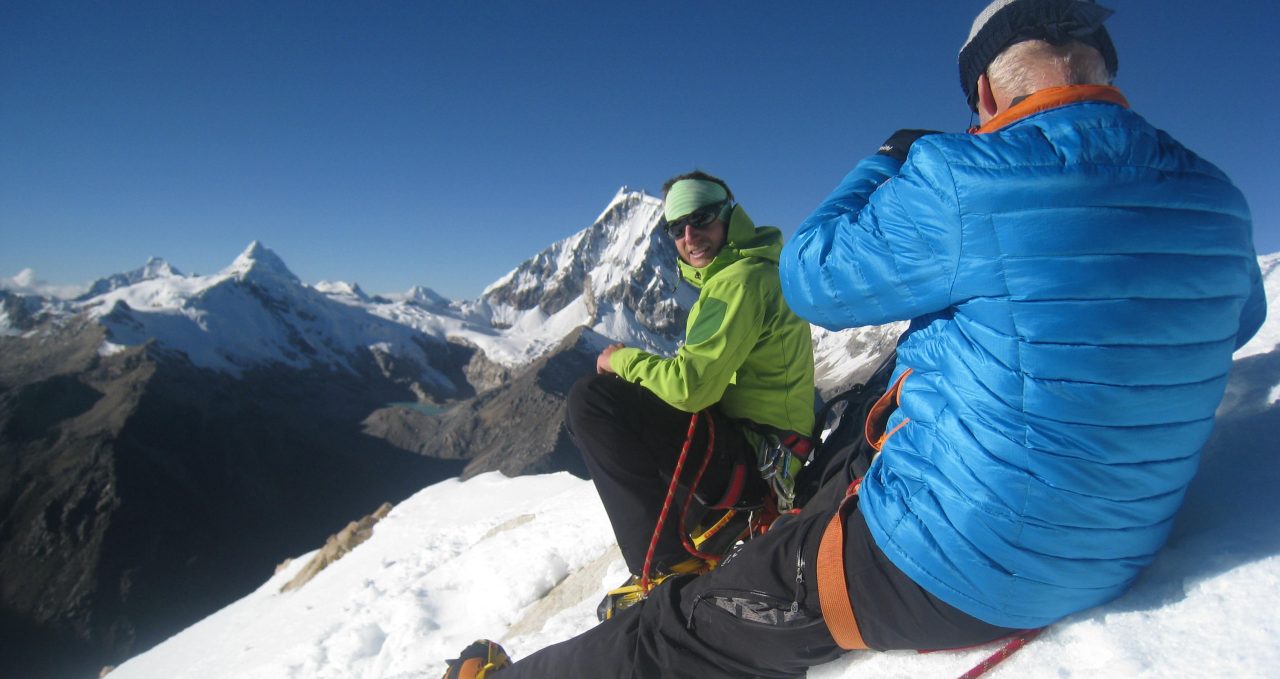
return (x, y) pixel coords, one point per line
(1053, 97)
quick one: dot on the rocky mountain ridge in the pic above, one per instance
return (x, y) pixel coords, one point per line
(139, 492)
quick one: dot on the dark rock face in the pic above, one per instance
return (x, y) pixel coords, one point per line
(517, 428)
(139, 494)
(24, 312)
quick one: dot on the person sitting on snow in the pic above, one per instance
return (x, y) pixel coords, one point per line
(747, 361)
(1077, 282)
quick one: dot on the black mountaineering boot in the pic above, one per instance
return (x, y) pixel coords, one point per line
(480, 660)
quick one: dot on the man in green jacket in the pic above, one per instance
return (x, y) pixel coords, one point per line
(747, 361)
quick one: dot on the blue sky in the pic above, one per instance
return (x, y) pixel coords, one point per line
(442, 143)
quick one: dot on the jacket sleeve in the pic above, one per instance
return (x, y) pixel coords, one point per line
(1255, 308)
(724, 326)
(882, 247)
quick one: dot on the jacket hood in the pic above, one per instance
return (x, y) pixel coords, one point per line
(744, 239)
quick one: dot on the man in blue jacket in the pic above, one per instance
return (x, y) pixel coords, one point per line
(1077, 282)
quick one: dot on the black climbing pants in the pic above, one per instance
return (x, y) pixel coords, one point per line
(758, 614)
(631, 440)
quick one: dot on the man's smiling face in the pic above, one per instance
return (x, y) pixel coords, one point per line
(697, 247)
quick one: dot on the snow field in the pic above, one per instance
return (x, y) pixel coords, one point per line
(456, 562)
(466, 560)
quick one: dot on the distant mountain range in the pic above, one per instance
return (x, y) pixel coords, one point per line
(165, 439)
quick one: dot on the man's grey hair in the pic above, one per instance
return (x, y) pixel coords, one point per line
(1025, 67)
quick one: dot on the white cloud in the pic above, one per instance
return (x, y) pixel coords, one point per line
(27, 283)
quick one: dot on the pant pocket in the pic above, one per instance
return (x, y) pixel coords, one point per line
(771, 636)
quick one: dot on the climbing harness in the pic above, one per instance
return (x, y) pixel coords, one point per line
(708, 544)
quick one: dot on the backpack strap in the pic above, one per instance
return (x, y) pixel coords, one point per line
(833, 591)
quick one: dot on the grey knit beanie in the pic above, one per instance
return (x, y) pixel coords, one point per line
(1008, 22)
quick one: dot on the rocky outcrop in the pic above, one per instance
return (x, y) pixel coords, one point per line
(517, 428)
(577, 586)
(484, 374)
(337, 546)
(20, 313)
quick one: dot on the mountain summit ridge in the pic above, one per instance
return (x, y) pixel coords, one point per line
(617, 276)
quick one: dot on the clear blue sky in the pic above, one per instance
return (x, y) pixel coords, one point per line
(441, 143)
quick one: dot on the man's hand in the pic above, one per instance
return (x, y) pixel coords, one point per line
(897, 145)
(602, 361)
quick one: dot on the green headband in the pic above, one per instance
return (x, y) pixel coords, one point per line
(689, 195)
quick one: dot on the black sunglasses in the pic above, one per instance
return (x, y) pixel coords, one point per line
(698, 219)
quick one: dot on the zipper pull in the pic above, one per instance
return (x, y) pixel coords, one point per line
(795, 602)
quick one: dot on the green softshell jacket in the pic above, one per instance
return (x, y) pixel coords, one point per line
(744, 348)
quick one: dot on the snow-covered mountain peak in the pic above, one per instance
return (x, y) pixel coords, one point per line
(257, 313)
(158, 268)
(425, 297)
(622, 236)
(617, 276)
(155, 268)
(258, 262)
(626, 193)
(343, 291)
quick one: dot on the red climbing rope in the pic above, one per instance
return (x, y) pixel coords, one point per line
(645, 585)
(1014, 644)
(684, 510)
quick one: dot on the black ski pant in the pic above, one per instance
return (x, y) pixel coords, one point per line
(758, 614)
(631, 441)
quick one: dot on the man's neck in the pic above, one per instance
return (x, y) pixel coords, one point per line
(1050, 98)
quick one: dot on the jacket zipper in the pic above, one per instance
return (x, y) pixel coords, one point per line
(795, 602)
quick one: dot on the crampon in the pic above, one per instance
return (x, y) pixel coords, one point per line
(716, 538)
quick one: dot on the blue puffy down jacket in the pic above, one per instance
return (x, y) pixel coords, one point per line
(1077, 281)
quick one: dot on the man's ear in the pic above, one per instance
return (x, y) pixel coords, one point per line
(987, 107)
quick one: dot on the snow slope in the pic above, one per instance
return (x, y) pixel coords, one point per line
(525, 561)
(1268, 337)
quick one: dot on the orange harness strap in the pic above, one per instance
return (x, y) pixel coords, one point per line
(833, 592)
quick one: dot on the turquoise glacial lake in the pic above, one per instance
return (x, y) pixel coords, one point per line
(424, 408)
